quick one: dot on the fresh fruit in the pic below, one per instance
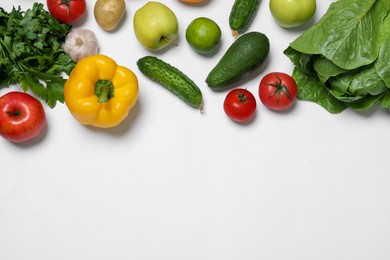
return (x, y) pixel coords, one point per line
(66, 11)
(240, 105)
(277, 90)
(193, 1)
(241, 14)
(155, 25)
(292, 13)
(22, 117)
(109, 13)
(172, 79)
(203, 35)
(246, 54)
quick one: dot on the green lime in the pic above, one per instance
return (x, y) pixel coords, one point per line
(203, 35)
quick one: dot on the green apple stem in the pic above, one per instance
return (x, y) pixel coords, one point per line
(170, 42)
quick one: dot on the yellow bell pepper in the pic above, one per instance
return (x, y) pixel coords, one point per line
(99, 92)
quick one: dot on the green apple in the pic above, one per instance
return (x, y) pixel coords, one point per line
(292, 13)
(155, 25)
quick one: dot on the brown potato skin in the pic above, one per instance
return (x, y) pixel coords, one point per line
(109, 13)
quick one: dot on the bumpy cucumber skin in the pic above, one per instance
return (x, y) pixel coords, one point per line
(172, 79)
(242, 14)
(246, 54)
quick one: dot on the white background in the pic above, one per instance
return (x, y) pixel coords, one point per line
(172, 184)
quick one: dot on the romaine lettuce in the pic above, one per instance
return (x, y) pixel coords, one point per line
(344, 59)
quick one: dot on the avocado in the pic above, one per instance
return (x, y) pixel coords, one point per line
(247, 53)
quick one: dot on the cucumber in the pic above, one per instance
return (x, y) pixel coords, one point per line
(172, 79)
(247, 53)
(241, 15)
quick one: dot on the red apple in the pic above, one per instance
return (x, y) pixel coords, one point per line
(22, 117)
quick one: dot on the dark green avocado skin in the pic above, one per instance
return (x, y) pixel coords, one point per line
(247, 53)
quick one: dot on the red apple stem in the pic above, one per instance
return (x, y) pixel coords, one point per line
(14, 113)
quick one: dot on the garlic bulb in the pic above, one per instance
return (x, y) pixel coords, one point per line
(80, 43)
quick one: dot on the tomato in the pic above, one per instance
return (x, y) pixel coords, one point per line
(292, 13)
(66, 11)
(240, 105)
(277, 90)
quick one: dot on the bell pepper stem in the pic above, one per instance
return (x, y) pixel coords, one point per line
(104, 90)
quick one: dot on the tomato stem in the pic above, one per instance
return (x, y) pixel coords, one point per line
(242, 97)
(280, 88)
(67, 3)
(104, 90)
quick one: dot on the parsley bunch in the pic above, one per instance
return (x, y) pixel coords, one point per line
(31, 52)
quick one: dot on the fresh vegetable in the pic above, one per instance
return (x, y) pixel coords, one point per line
(247, 53)
(109, 13)
(99, 92)
(67, 11)
(241, 15)
(22, 117)
(172, 79)
(240, 105)
(81, 43)
(31, 52)
(277, 90)
(343, 60)
(292, 13)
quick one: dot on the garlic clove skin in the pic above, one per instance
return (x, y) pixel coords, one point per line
(80, 43)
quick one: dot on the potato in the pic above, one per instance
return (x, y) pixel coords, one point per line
(109, 13)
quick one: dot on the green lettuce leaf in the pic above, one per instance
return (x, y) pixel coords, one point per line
(344, 60)
(382, 65)
(348, 34)
(310, 88)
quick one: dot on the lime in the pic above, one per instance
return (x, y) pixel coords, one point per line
(203, 35)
